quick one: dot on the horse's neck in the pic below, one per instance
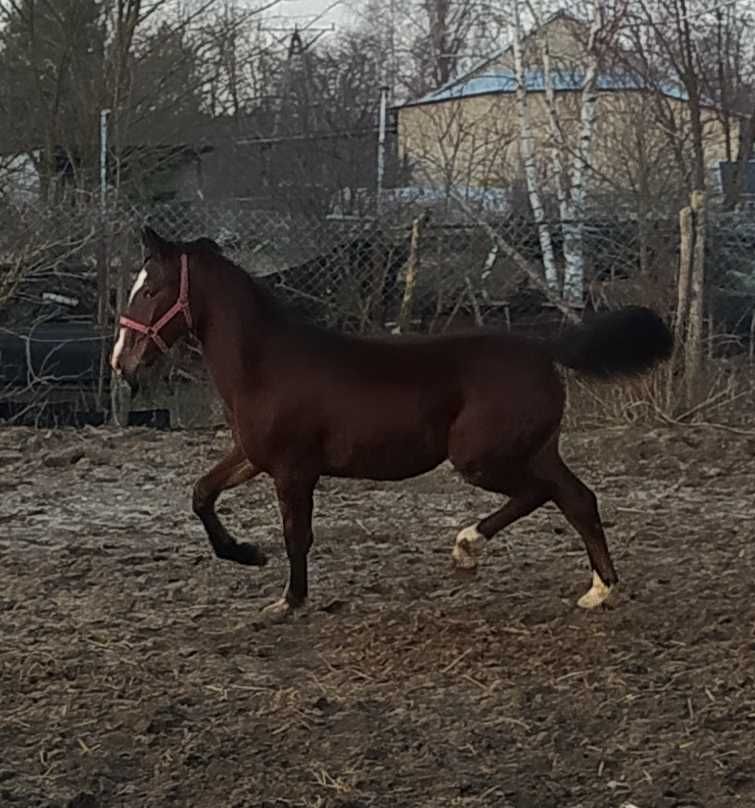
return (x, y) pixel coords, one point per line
(229, 332)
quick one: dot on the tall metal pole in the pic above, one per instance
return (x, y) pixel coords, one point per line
(104, 113)
(381, 146)
(103, 280)
(392, 78)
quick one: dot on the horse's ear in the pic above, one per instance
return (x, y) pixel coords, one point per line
(154, 244)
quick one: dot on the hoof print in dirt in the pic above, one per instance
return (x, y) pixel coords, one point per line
(464, 572)
(67, 457)
(334, 606)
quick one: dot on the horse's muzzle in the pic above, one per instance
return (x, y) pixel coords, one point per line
(131, 379)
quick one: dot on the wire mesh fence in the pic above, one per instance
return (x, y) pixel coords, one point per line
(353, 273)
(413, 269)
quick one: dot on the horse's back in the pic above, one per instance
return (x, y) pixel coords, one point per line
(418, 356)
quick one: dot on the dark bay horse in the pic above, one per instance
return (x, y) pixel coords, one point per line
(304, 402)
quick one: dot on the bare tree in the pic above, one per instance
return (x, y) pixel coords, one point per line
(423, 44)
(569, 158)
(239, 60)
(437, 50)
(527, 150)
(663, 43)
(35, 243)
(49, 60)
(690, 45)
(320, 142)
(727, 53)
(148, 63)
(458, 148)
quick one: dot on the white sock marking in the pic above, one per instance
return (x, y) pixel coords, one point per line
(596, 594)
(279, 607)
(468, 546)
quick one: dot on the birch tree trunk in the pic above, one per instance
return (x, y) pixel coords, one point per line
(573, 224)
(570, 174)
(526, 145)
(558, 144)
(560, 165)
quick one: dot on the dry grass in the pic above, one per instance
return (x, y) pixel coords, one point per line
(726, 398)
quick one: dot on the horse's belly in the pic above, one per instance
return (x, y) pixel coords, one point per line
(393, 456)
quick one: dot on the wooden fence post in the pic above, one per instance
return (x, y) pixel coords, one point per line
(410, 276)
(693, 349)
(676, 364)
(688, 319)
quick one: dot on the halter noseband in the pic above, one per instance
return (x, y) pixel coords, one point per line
(181, 306)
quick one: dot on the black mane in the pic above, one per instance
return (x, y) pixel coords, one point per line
(271, 304)
(199, 245)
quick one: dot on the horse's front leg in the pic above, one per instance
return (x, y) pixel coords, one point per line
(234, 469)
(295, 497)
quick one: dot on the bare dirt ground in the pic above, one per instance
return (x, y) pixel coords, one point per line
(133, 671)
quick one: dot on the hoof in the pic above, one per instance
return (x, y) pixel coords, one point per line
(249, 555)
(276, 612)
(596, 595)
(467, 549)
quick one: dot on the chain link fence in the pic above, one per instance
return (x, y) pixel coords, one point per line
(352, 273)
(416, 268)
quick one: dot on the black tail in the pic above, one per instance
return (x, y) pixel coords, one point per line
(626, 342)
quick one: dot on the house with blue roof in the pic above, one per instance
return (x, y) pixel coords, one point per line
(466, 134)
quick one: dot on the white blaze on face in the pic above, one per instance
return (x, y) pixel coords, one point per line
(121, 341)
(138, 283)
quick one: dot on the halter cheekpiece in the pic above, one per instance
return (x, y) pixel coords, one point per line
(181, 306)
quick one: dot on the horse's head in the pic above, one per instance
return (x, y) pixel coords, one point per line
(158, 313)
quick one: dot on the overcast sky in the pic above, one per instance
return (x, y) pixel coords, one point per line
(304, 11)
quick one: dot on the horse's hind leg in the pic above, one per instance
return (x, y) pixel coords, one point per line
(579, 505)
(470, 541)
(547, 478)
(234, 469)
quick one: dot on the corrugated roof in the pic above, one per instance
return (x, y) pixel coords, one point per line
(495, 81)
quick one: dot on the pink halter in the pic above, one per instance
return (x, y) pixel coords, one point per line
(180, 306)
